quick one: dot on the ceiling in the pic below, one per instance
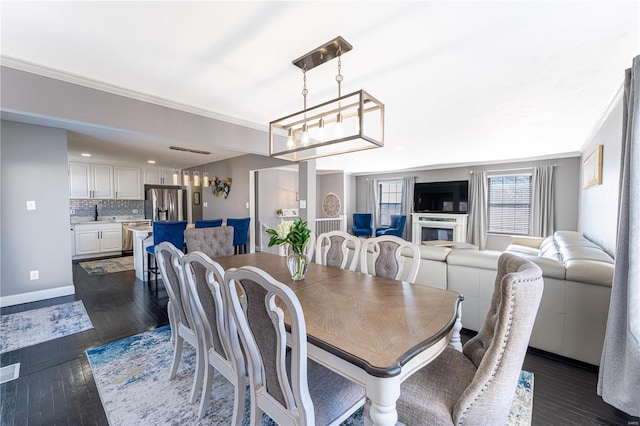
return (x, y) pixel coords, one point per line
(462, 82)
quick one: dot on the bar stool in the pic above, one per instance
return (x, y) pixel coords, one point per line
(172, 232)
(240, 232)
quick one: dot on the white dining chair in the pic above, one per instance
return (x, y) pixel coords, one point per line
(215, 330)
(285, 385)
(332, 249)
(181, 322)
(386, 258)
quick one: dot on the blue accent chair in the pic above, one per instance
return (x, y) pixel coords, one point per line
(362, 224)
(396, 227)
(172, 232)
(240, 233)
(214, 223)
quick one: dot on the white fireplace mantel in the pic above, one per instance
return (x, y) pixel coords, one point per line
(455, 222)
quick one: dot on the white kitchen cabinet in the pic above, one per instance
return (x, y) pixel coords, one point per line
(90, 180)
(97, 238)
(127, 183)
(160, 177)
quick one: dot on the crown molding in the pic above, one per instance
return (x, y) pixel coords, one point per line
(31, 67)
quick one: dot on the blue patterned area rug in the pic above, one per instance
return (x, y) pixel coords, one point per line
(29, 328)
(107, 266)
(132, 378)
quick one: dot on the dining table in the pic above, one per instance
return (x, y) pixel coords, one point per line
(373, 330)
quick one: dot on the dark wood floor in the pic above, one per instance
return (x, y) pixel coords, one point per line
(56, 386)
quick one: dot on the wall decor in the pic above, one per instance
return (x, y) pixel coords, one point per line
(331, 205)
(196, 198)
(592, 169)
(219, 186)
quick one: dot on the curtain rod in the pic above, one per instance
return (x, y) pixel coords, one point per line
(510, 170)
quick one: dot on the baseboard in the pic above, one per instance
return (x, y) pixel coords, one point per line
(35, 296)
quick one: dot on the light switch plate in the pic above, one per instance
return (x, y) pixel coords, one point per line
(135, 211)
(204, 204)
(303, 204)
(34, 275)
(31, 205)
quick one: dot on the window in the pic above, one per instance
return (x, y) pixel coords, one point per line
(390, 201)
(509, 210)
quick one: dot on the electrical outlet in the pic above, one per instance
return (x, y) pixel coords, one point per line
(73, 211)
(34, 275)
(135, 211)
(204, 204)
(31, 205)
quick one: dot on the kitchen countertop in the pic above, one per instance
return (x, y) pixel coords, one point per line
(75, 220)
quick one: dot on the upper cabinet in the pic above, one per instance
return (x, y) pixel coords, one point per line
(99, 181)
(159, 177)
(128, 183)
(90, 180)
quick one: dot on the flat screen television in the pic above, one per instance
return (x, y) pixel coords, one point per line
(441, 197)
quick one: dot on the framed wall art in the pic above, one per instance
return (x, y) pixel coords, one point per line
(592, 169)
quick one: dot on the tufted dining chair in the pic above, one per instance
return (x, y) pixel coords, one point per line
(214, 242)
(384, 253)
(332, 249)
(477, 386)
(181, 322)
(290, 388)
(215, 330)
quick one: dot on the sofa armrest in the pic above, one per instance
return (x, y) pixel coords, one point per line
(520, 240)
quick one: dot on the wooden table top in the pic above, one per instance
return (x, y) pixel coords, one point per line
(375, 323)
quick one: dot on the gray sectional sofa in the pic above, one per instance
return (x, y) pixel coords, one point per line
(577, 277)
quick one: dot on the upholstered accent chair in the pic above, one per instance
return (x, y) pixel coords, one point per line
(180, 321)
(396, 226)
(212, 223)
(215, 330)
(240, 233)
(172, 232)
(214, 242)
(332, 249)
(381, 256)
(477, 386)
(290, 388)
(362, 224)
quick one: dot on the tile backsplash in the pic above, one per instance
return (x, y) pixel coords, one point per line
(106, 207)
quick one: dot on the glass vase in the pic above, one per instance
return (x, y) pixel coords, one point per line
(297, 264)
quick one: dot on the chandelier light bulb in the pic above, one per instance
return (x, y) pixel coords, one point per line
(322, 134)
(305, 134)
(339, 130)
(290, 142)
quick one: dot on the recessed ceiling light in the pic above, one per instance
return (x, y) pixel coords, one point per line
(86, 154)
(151, 161)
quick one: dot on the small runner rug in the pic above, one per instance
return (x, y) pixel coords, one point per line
(29, 328)
(132, 378)
(107, 266)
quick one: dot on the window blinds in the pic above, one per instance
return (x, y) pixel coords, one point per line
(509, 210)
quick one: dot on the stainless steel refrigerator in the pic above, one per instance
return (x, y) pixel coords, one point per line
(165, 203)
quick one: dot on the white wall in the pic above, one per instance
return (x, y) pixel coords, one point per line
(276, 189)
(599, 204)
(34, 168)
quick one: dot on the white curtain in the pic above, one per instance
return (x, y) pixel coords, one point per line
(619, 367)
(542, 201)
(373, 206)
(408, 184)
(477, 224)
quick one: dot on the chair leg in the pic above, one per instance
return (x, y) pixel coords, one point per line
(148, 268)
(197, 379)
(206, 389)
(177, 354)
(238, 400)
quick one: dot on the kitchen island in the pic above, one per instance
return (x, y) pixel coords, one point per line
(142, 238)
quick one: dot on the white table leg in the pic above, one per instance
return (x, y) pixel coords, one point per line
(456, 342)
(382, 394)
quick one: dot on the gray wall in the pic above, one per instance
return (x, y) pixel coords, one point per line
(567, 173)
(276, 189)
(330, 182)
(599, 204)
(34, 168)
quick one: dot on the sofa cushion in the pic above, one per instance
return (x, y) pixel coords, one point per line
(485, 259)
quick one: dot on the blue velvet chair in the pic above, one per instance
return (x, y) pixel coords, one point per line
(362, 224)
(208, 223)
(172, 232)
(396, 227)
(240, 233)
